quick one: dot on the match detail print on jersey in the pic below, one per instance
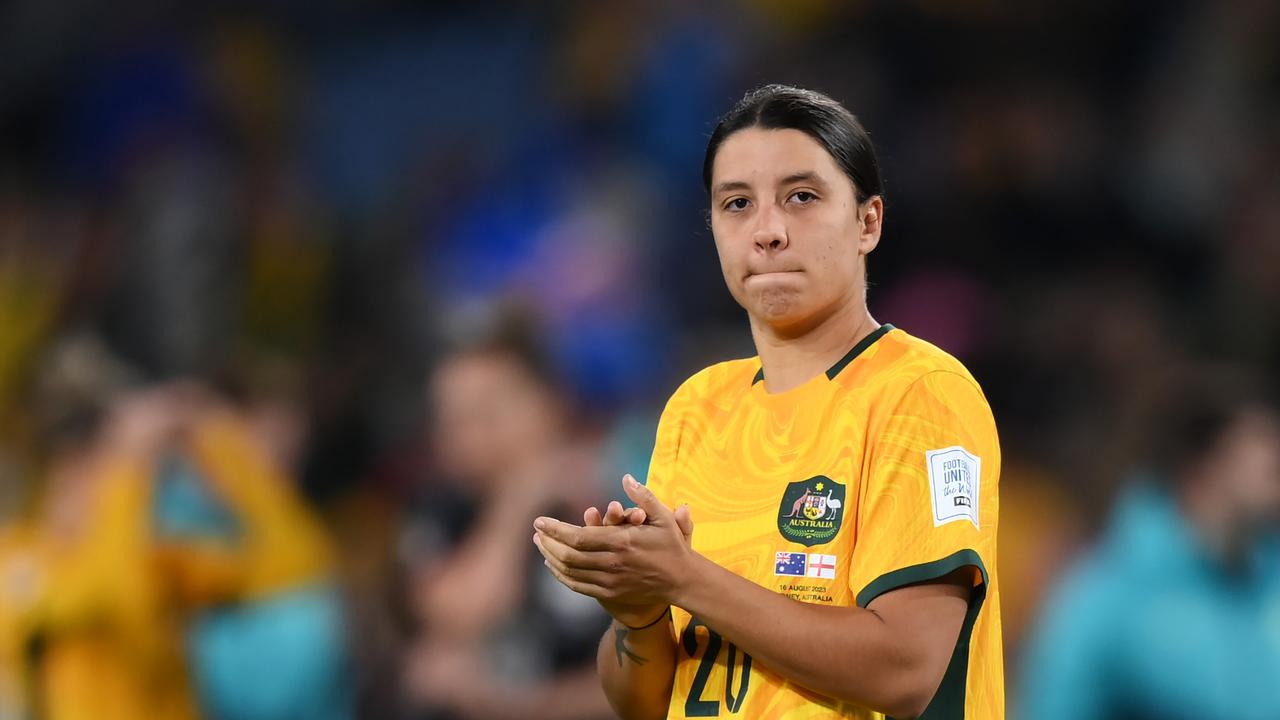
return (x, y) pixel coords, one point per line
(811, 511)
(953, 484)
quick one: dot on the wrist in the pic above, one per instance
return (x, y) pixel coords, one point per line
(691, 576)
(666, 613)
(634, 616)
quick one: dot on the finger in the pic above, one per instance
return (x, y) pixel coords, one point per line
(614, 514)
(582, 588)
(643, 497)
(571, 558)
(636, 516)
(580, 538)
(599, 579)
(591, 517)
(684, 519)
(550, 558)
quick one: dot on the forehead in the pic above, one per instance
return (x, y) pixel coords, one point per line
(757, 155)
(466, 372)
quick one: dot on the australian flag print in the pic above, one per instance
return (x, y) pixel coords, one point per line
(789, 563)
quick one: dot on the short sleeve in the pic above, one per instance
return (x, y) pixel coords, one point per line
(928, 502)
(666, 449)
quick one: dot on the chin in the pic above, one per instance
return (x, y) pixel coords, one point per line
(787, 314)
(777, 302)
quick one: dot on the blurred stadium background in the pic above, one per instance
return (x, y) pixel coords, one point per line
(306, 309)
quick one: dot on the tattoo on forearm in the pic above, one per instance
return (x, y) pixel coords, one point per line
(620, 646)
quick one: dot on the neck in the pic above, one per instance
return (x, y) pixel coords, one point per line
(790, 359)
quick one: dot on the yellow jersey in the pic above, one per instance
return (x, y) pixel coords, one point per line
(880, 473)
(93, 626)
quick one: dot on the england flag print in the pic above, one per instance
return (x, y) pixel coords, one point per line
(822, 566)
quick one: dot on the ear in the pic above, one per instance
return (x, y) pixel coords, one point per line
(871, 219)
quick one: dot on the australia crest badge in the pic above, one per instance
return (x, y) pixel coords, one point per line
(811, 511)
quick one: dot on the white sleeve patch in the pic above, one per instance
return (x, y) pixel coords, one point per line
(954, 477)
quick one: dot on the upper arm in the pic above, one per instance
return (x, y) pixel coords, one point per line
(926, 620)
(924, 550)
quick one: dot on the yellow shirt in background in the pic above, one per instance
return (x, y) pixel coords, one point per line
(97, 632)
(109, 641)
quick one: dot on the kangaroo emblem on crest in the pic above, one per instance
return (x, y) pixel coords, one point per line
(798, 506)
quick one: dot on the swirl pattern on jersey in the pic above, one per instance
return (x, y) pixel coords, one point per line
(731, 450)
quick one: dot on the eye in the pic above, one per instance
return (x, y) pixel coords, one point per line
(737, 204)
(804, 197)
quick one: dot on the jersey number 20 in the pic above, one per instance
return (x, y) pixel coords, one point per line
(695, 706)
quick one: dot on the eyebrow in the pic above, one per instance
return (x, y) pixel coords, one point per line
(808, 176)
(731, 185)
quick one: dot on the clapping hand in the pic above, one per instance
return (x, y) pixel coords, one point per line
(631, 560)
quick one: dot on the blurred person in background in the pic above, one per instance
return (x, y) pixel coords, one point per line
(1176, 612)
(171, 571)
(251, 562)
(499, 637)
(86, 606)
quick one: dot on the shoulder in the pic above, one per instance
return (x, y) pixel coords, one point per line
(901, 364)
(719, 382)
(917, 358)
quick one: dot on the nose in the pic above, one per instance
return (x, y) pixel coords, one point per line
(770, 233)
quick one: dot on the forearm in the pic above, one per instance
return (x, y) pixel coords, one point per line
(890, 657)
(490, 563)
(847, 653)
(637, 668)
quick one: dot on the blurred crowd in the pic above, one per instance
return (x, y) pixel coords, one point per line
(306, 310)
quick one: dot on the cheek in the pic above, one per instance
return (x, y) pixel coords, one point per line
(837, 254)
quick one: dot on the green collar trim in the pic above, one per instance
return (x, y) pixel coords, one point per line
(849, 357)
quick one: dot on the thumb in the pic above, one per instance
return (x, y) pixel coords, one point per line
(684, 520)
(644, 498)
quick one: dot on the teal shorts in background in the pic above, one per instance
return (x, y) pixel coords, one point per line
(278, 658)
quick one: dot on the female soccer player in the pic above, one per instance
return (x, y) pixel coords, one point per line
(844, 480)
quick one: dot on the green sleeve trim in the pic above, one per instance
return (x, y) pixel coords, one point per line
(948, 701)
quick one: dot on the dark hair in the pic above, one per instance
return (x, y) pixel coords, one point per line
(509, 330)
(779, 107)
(1195, 408)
